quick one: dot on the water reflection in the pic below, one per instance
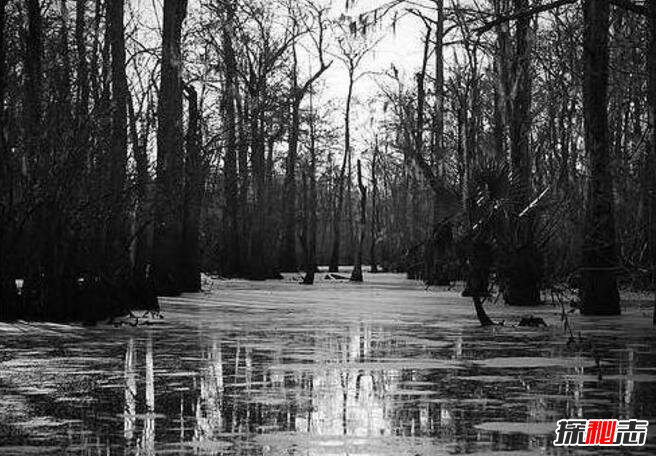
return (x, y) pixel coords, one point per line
(145, 442)
(130, 409)
(209, 404)
(347, 400)
(357, 383)
(308, 384)
(627, 386)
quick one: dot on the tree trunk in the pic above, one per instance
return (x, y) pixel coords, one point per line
(3, 82)
(33, 82)
(115, 246)
(244, 181)
(142, 221)
(170, 156)
(483, 319)
(374, 209)
(82, 124)
(259, 251)
(63, 77)
(311, 263)
(232, 229)
(356, 274)
(4, 152)
(7, 287)
(502, 89)
(437, 250)
(522, 273)
(82, 68)
(288, 251)
(337, 215)
(599, 292)
(651, 154)
(94, 70)
(32, 153)
(193, 198)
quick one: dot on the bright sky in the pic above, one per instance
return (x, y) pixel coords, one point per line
(401, 47)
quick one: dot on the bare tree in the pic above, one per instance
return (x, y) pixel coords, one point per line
(599, 289)
(311, 206)
(374, 208)
(170, 155)
(33, 80)
(233, 206)
(356, 274)
(193, 196)
(352, 51)
(116, 235)
(522, 276)
(298, 92)
(651, 98)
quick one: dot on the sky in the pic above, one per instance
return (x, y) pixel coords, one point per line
(401, 47)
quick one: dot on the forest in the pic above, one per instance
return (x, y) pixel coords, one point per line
(145, 143)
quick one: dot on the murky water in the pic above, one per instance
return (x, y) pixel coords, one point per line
(276, 368)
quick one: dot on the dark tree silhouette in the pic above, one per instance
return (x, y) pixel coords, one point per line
(522, 275)
(167, 249)
(599, 293)
(193, 197)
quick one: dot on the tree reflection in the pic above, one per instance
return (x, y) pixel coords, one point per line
(627, 384)
(209, 404)
(130, 408)
(145, 443)
(345, 399)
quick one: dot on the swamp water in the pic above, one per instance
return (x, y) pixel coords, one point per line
(277, 368)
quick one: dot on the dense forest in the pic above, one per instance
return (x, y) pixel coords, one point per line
(143, 143)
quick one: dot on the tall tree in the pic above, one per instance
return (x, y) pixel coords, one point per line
(522, 274)
(142, 221)
(6, 287)
(298, 92)
(356, 274)
(4, 153)
(288, 251)
(193, 197)
(170, 155)
(599, 293)
(82, 67)
(351, 54)
(115, 237)
(337, 215)
(373, 258)
(311, 207)
(233, 204)
(651, 153)
(33, 81)
(438, 245)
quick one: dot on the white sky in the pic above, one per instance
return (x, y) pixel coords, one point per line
(402, 47)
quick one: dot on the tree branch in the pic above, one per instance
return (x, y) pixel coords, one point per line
(522, 14)
(624, 4)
